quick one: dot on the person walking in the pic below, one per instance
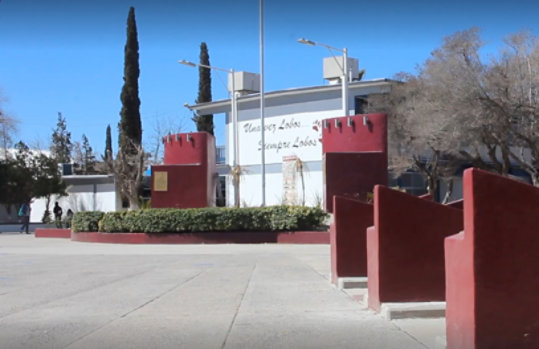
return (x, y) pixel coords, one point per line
(69, 218)
(57, 215)
(24, 213)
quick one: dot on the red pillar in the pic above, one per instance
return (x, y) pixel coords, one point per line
(351, 218)
(405, 248)
(492, 267)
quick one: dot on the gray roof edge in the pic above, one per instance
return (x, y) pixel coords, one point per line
(223, 105)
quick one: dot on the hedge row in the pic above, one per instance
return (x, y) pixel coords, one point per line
(159, 220)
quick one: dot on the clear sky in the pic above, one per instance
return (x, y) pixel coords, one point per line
(67, 55)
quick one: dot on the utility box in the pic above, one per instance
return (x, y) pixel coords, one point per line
(245, 82)
(333, 68)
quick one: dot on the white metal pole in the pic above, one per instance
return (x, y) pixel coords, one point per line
(344, 82)
(234, 112)
(262, 105)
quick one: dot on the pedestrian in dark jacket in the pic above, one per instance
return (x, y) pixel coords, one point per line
(57, 215)
(24, 213)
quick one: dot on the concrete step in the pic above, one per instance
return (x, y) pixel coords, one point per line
(408, 310)
(352, 282)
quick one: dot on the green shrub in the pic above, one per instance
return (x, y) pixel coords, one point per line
(86, 221)
(112, 222)
(168, 220)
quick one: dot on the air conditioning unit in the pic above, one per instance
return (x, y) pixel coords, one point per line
(333, 68)
(245, 82)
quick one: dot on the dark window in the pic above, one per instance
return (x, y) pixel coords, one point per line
(360, 104)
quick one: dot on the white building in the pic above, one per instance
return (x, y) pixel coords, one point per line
(292, 132)
(85, 193)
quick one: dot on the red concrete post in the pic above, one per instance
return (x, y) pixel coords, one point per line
(405, 248)
(492, 267)
(348, 240)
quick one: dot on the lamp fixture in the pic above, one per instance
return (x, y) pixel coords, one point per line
(306, 42)
(189, 63)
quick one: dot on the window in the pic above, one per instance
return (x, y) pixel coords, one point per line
(360, 104)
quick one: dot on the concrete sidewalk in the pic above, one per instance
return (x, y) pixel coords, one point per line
(55, 293)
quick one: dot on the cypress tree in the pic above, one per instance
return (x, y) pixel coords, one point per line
(204, 122)
(108, 145)
(130, 127)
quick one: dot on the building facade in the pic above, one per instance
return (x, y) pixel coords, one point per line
(292, 140)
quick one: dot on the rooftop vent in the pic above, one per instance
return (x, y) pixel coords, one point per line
(245, 83)
(333, 69)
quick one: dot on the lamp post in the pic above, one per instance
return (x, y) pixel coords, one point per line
(234, 112)
(343, 67)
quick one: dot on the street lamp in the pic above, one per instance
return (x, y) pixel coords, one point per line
(234, 112)
(343, 67)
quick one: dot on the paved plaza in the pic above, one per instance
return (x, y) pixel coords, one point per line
(56, 293)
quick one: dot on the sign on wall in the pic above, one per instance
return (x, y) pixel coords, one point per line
(160, 181)
(290, 192)
(292, 135)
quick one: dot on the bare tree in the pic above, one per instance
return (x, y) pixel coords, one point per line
(128, 170)
(461, 110)
(162, 127)
(8, 127)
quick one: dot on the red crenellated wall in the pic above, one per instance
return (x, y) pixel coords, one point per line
(354, 150)
(352, 175)
(189, 162)
(180, 151)
(405, 248)
(492, 267)
(351, 218)
(357, 137)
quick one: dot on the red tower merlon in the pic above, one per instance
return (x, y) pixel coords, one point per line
(187, 178)
(354, 152)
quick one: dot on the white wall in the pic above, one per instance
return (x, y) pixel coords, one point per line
(296, 134)
(81, 198)
(251, 189)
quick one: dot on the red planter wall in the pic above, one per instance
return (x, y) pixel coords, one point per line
(348, 240)
(405, 248)
(64, 233)
(492, 268)
(281, 237)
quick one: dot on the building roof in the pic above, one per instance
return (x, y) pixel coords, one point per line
(223, 106)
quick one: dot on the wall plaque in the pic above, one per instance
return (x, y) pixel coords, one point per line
(160, 181)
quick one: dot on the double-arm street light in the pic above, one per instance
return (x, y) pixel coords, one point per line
(234, 112)
(343, 67)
